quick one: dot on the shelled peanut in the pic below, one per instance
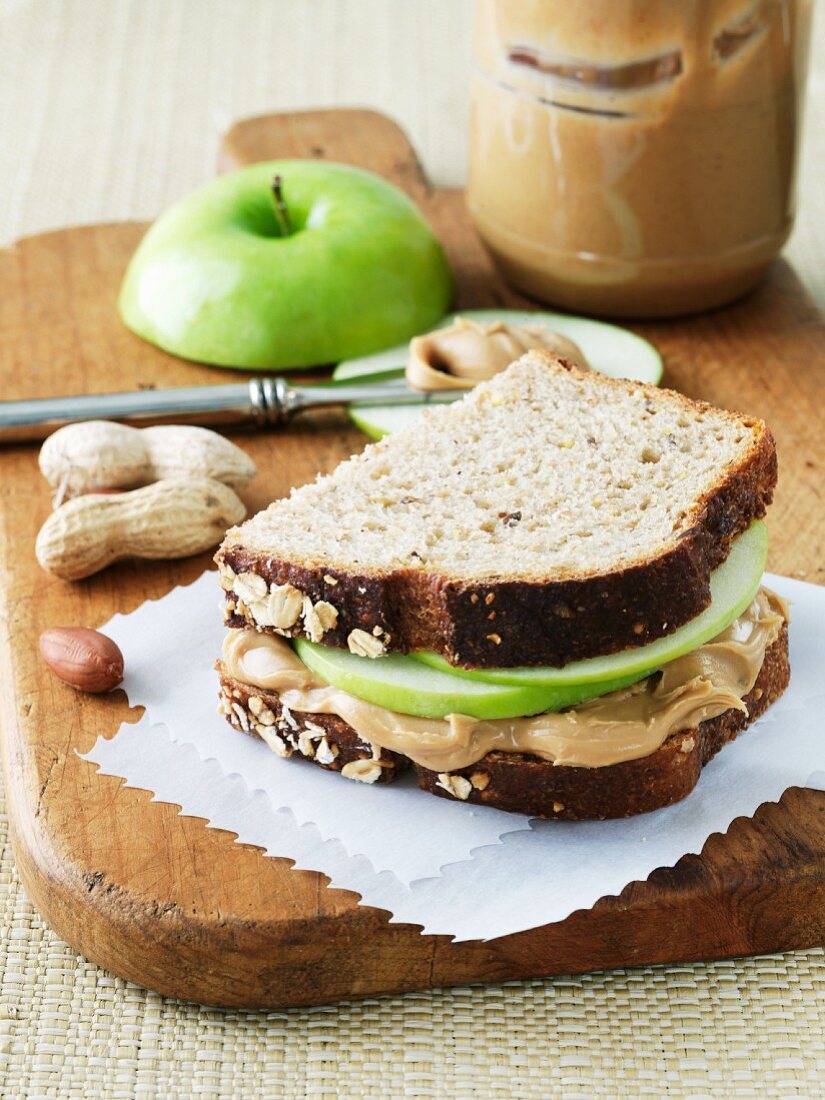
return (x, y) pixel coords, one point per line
(85, 659)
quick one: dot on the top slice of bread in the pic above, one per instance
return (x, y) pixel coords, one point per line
(552, 514)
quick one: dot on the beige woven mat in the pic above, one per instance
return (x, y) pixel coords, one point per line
(111, 109)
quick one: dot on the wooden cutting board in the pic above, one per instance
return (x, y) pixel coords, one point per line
(167, 903)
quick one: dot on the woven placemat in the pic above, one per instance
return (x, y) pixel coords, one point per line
(112, 109)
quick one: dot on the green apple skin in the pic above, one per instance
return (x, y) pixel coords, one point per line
(214, 281)
(733, 586)
(407, 686)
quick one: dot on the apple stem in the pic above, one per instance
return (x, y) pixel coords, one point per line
(280, 207)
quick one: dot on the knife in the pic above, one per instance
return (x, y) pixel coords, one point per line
(269, 402)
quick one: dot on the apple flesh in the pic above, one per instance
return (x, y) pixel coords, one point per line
(407, 686)
(733, 586)
(608, 349)
(221, 278)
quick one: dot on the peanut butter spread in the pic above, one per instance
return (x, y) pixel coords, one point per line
(466, 352)
(624, 725)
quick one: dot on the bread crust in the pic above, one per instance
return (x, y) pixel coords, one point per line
(345, 744)
(526, 784)
(501, 623)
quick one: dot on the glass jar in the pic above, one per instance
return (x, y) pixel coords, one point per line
(636, 157)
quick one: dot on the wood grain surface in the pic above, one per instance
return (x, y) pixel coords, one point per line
(165, 902)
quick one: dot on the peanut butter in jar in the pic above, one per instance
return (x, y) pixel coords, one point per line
(636, 157)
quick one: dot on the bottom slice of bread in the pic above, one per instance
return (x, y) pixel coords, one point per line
(514, 781)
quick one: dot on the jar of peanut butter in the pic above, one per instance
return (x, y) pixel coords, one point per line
(636, 157)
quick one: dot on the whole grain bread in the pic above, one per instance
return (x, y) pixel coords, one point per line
(325, 739)
(517, 782)
(554, 514)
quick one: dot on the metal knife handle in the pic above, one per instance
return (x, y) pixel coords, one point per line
(266, 402)
(39, 417)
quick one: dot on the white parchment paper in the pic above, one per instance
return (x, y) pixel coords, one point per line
(453, 869)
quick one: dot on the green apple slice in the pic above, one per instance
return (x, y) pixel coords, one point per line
(407, 686)
(608, 348)
(733, 586)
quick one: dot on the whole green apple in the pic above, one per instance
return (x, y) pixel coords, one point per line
(330, 263)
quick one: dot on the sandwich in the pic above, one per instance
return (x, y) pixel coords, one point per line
(545, 598)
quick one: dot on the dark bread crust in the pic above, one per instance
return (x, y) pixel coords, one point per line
(500, 623)
(528, 785)
(348, 746)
